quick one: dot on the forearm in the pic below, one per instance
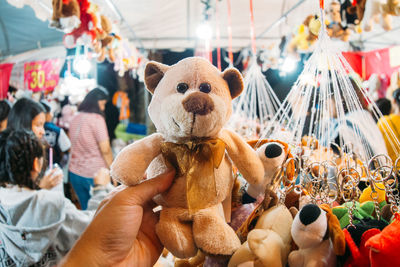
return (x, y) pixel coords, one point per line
(108, 157)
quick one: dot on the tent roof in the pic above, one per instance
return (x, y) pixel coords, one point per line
(160, 24)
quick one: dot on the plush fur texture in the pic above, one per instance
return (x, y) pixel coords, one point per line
(66, 15)
(181, 231)
(269, 243)
(272, 154)
(309, 230)
(385, 246)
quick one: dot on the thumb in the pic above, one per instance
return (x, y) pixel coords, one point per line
(145, 191)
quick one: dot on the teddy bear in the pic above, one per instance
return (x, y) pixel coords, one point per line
(306, 35)
(374, 13)
(335, 28)
(270, 242)
(317, 233)
(66, 15)
(191, 103)
(104, 41)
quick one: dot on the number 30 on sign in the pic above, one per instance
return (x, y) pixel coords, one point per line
(42, 75)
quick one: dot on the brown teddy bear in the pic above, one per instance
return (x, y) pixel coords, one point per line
(191, 103)
(105, 38)
(66, 15)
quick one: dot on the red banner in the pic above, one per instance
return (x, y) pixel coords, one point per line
(5, 73)
(42, 75)
(382, 62)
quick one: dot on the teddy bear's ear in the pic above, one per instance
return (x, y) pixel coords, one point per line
(153, 74)
(235, 81)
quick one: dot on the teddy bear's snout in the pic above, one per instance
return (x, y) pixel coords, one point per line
(309, 214)
(198, 103)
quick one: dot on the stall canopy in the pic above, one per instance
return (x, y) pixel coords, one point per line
(161, 24)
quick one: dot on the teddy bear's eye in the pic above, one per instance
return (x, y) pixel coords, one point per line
(205, 88)
(182, 87)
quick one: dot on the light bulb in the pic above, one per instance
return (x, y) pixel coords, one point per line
(204, 31)
(82, 66)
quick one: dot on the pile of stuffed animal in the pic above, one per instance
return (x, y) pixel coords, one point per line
(208, 219)
(83, 24)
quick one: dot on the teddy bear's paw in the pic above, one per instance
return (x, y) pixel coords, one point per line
(214, 236)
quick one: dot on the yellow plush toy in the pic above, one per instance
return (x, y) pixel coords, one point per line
(306, 36)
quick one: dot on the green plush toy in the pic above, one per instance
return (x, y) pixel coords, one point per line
(362, 211)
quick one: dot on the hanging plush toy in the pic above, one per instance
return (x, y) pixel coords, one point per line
(66, 15)
(352, 11)
(89, 27)
(309, 229)
(191, 103)
(392, 7)
(104, 43)
(335, 28)
(374, 13)
(306, 36)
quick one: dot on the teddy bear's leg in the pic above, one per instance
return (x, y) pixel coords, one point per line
(175, 234)
(212, 234)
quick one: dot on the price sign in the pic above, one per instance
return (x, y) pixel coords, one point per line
(42, 75)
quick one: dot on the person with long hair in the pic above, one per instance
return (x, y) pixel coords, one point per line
(389, 125)
(29, 115)
(90, 144)
(38, 227)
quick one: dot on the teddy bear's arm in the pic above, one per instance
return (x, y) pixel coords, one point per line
(243, 156)
(131, 163)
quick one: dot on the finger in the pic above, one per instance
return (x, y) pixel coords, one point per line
(145, 191)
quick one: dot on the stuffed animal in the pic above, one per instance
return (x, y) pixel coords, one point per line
(356, 238)
(352, 11)
(335, 28)
(191, 103)
(88, 28)
(269, 243)
(380, 194)
(273, 154)
(66, 15)
(385, 246)
(104, 42)
(392, 7)
(317, 233)
(360, 212)
(306, 36)
(374, 13)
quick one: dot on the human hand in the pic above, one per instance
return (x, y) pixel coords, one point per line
(102, 177)
(122, 232)
(51, 179)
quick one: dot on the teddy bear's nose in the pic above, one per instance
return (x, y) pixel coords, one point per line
(198, 103)
(309, 214)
